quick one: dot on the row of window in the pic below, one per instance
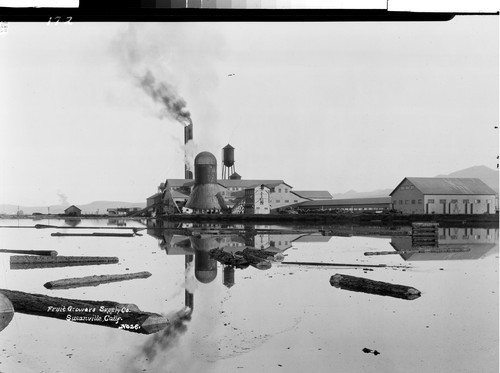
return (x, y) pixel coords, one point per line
(413, 202)
(407, 187)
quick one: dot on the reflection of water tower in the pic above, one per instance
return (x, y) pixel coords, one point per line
(227, 162)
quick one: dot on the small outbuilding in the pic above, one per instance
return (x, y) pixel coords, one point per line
(73, 211)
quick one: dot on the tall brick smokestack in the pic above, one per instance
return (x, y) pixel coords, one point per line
(188, 136)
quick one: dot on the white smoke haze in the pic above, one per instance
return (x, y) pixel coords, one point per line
(190, 150)
(63, 199)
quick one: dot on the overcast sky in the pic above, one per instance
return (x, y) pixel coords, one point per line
(330, 106)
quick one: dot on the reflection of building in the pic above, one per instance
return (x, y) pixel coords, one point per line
(73, 211)
(480, 241)
(434, 195)
(122, 211)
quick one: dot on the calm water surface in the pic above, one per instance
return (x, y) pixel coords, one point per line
(284, 319)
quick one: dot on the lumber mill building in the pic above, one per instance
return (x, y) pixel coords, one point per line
(207, 194)
(434, 195)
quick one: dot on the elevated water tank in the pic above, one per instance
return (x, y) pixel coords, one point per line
(228, 155)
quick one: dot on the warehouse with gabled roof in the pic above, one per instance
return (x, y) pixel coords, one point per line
(435, 195)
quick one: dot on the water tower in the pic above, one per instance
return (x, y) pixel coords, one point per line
(227, 161)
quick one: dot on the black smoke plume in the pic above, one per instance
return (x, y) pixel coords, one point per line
(172, 104)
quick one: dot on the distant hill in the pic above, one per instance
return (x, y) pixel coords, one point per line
(354, 194)
(90, 208)
(488, 175)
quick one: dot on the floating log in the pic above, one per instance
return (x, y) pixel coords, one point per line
(365, 285)
(30, 252)
(254, 260)
(69, 283)
(338, 264)
(27, 262)
(264, 254)
(430, 250)
(105, 313)
(43, 226)
(227, 258)
(94, 234)
(6, 311)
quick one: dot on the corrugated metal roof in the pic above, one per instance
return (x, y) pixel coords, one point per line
(441, 185)
(347, 202)
(324, 194)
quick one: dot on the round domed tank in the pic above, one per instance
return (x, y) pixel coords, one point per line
(205, 168)
(228, 155)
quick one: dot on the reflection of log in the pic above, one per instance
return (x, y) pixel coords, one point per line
(95, 234)
(417, 250)
(365, 285)
(68, 283)
(104, 313)
(26, 261)
(30, 252)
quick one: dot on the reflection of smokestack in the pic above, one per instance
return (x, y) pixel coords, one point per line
(188, 136)
(228, 278)
(188, 296)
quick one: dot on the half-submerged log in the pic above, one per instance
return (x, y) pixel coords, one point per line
(30, 252)
(94, 234)
(360, 265)
(28, 262)
(421, 250)
(77, 282)
(104, 313)
(365, 285)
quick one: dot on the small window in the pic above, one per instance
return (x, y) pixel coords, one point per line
(295, 200)
(400, 201)
(406, 201)
(477, 201)
(442, 201)
(412, 187)
(454, 201)
(286, 200)
(466, 201)
(419, 201)
(277, 201)
(430, 201)
(279, 190)
(412, 201)
(286, 190)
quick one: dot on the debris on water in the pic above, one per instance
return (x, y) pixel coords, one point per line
(369, 351)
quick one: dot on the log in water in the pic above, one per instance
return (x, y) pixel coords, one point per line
(30, 252)
(77, 282)
(365, 285)
(104, 313)
(27, 262)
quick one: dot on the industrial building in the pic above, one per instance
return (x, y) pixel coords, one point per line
(351, 204)
(434, 195)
